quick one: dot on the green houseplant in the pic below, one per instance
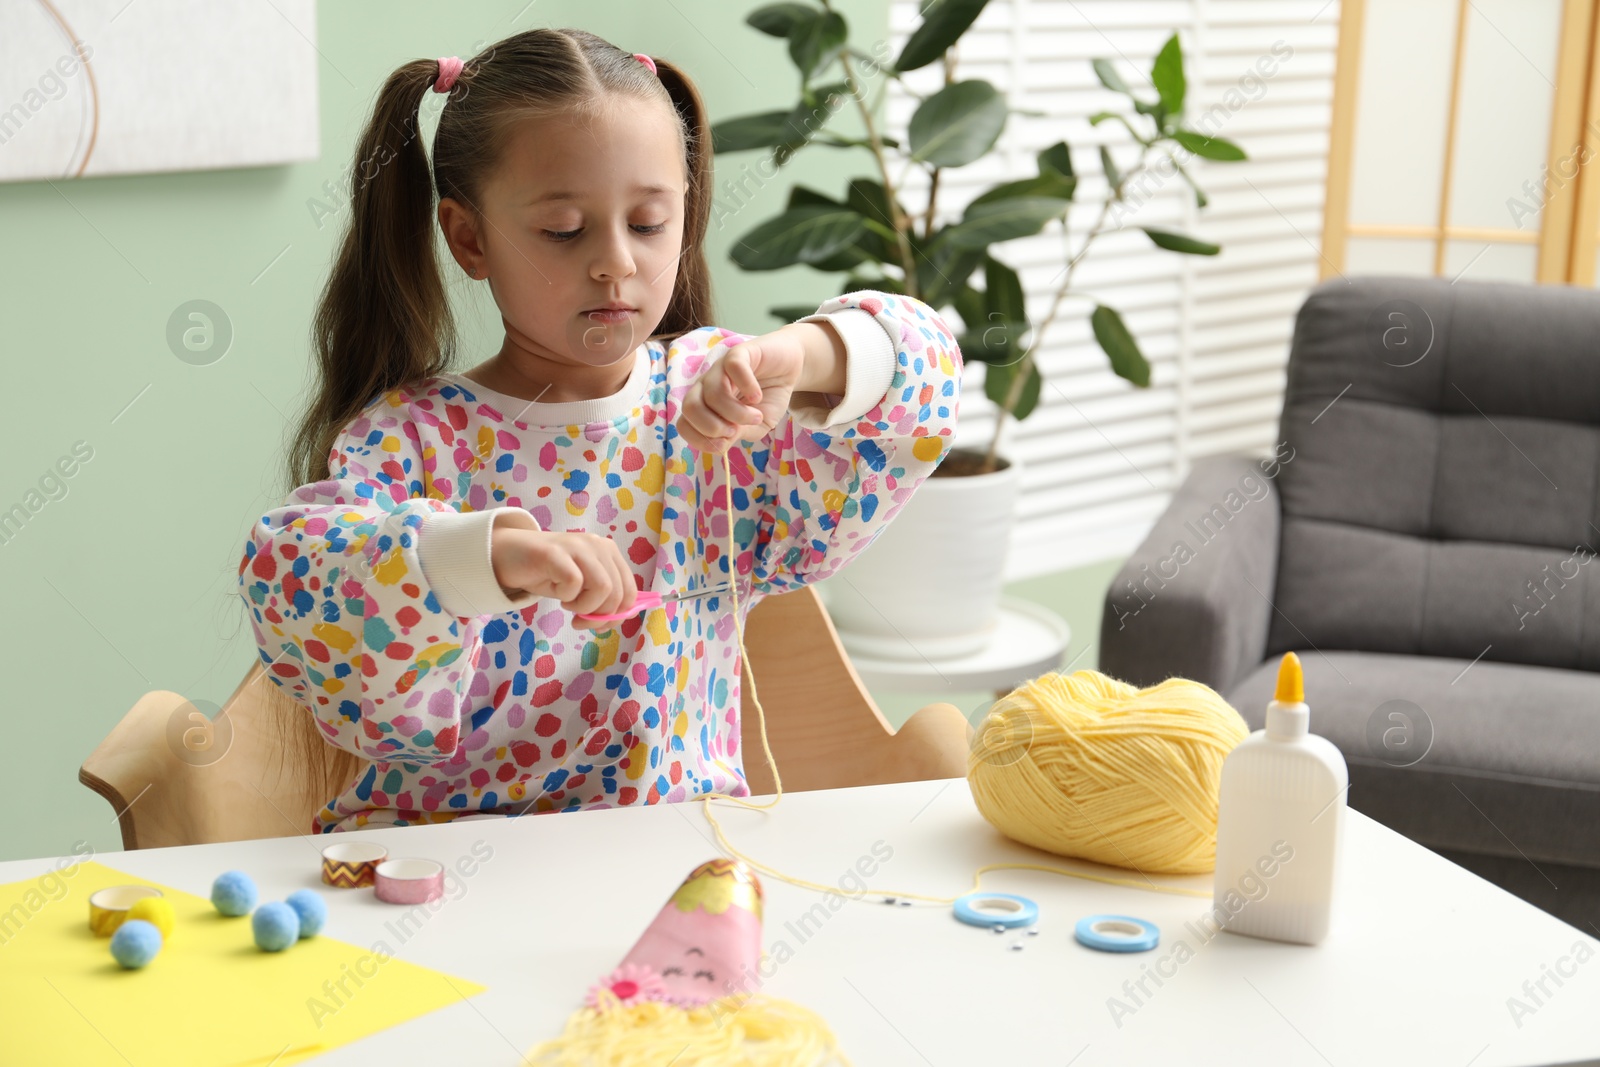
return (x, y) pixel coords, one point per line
(870, 236)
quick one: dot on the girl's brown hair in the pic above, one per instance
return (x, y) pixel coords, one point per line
(384, 318)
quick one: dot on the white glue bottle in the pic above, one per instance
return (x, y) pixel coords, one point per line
(1280, 820)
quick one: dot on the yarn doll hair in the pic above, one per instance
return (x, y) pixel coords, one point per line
(384, 319)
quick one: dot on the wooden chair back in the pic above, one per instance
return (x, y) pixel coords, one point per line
(176, 777)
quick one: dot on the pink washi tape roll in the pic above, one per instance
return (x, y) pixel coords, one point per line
(409, 881)
(351, 864)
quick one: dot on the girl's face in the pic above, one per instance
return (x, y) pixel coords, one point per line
(584, 213)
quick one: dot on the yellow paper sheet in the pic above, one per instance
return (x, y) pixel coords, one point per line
(210, 997)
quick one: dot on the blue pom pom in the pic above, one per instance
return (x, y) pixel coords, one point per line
(276, 926)
(233, 893)
(311, 908)
(135, 943)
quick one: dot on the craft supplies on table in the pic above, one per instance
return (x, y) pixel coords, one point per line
(409, 881)
(234, 893)
(135, 943)
(157, 911)
(999, 911)
(209, 997)
(352, 864)
(1117, 933)
(275, 926)
(1279, 823)
(1064, 756)
(693, 979)
(108, 908)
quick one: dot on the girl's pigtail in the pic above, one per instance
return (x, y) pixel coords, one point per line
(690, 306)
(383, 319)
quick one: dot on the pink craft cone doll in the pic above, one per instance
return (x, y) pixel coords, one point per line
(689, 988)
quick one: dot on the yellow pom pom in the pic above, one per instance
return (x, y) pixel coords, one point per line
(154, 910)
(1086, 766)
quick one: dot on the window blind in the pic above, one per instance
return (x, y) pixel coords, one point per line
(1101, 457)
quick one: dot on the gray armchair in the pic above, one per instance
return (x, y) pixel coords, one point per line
(1423, 537)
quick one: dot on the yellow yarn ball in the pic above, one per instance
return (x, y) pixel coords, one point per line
(154, 910)
(1086, 766)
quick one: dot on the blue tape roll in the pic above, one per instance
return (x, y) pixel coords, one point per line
(1117, 933)
(1018, 911)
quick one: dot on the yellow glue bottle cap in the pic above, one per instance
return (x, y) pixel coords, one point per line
(1291, 680)
(1288, 717)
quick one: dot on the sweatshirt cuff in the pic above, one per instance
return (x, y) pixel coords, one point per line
(869, 368)
(454, 550)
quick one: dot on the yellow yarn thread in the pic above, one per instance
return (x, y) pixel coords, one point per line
(1086, 766)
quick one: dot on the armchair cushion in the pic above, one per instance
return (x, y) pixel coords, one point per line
(1442, 500)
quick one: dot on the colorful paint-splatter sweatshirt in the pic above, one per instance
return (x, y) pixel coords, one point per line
(374, 602)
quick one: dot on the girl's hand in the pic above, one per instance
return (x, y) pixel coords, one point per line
(585, 572)
(744, 393)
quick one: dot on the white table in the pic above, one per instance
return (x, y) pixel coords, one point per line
(1028, 640)
(1417, 970)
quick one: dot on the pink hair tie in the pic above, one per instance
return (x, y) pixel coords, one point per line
(449, 67)
(647, 61)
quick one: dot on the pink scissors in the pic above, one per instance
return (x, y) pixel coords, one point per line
(651, 599)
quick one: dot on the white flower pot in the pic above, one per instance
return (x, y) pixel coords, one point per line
(929, 585)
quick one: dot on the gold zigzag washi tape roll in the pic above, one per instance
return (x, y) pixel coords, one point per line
(353, 864)
(108, 907)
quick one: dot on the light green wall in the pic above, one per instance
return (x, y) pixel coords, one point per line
(126, 583)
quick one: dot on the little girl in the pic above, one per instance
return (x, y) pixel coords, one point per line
(417, 592)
